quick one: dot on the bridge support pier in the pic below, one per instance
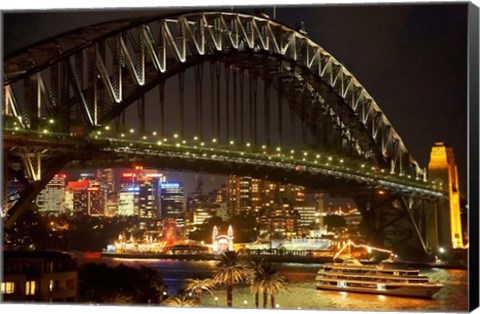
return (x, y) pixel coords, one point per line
(402, 225)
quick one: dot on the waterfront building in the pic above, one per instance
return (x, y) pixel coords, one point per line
(39, 276)
(52, 198)
(308, 217)
(250, 195)
(280, 221)
(172, 199)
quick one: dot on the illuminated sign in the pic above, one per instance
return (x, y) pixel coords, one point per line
(154, 175)
(129, 175)
(170, 185)
(133, 189)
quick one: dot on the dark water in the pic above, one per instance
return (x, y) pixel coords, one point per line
(302, 294)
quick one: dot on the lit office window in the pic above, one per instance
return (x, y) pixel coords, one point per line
(30, 288)
(8, 287)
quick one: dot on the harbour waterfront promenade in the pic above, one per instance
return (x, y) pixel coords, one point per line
(285, 258)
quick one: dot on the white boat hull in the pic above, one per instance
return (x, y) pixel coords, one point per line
(405, 291)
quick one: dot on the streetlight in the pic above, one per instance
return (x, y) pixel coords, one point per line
(216, 301)
(245, 303)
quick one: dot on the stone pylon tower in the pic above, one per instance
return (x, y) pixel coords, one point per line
(442, 170)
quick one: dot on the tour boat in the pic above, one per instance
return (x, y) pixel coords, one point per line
(353, 276)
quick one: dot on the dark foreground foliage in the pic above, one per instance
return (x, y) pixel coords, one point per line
(100, 283)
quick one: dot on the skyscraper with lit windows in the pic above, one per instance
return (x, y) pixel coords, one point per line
(52, 198)
(172, 199)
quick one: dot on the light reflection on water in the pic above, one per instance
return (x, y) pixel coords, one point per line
(302, 293)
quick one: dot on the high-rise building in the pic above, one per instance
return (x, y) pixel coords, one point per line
(280, 221)
(128, 194)
(52, 198)
(139, 193)
(250, 195)
(232, 195)
(85, 196)
(172, 199)
(76, 196)
(95, 199)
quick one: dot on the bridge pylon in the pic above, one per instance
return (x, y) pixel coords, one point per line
(442, 171)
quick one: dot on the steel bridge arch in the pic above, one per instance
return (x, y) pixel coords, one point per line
(130, 57)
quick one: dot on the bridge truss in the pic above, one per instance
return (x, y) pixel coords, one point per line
(101, 82)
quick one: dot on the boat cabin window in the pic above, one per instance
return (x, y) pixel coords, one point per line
(396, 273)
(341, 284)
(381, 286)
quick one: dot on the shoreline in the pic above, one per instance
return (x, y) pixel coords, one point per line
(272, 258)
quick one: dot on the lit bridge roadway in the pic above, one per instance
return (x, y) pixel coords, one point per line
(322, 130)
(307, 168)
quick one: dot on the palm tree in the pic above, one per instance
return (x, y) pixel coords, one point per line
(179, 300)
(230, 270)
(197, 285)
(273, 283)
(255, 279)
(265, 279)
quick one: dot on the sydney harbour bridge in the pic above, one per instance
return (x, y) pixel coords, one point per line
(216, 92)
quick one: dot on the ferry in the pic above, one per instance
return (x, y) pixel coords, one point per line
(385, 279)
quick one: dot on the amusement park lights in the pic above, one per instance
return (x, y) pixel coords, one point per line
(369, 248)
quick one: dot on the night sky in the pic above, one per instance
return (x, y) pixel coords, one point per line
(412, 59)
